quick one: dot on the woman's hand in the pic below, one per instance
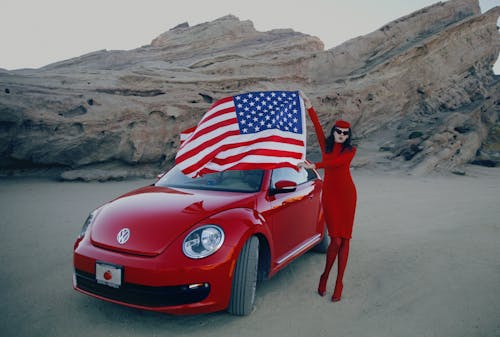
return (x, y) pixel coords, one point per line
(307, 101)
(306, 165)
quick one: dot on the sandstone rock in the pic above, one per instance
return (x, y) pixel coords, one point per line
(421, 89)
(489, 152)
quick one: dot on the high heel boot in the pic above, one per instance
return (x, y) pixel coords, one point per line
(337, 293)
(331, 255)
(342, 264)
(322, 285)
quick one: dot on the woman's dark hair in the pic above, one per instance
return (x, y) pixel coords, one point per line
(330, 141)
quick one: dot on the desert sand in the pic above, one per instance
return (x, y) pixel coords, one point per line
(424, 262)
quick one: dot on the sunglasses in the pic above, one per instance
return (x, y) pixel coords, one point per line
(340, 132)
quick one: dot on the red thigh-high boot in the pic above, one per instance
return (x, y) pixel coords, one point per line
(342, 264)
(331, 254)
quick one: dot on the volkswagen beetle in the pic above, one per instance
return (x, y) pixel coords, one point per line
(195, 245)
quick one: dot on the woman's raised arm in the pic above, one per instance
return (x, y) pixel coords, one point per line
(314, 118)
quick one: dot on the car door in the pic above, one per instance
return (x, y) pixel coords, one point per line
(293, 213)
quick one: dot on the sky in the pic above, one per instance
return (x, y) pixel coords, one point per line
(34, 33)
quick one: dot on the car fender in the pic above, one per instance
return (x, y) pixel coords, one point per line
(239, 225)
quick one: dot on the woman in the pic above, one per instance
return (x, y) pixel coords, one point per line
(339, 194)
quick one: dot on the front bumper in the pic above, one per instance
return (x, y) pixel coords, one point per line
(170, 282)
(140, 295)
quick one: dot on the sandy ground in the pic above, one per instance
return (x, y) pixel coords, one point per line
(425, 261)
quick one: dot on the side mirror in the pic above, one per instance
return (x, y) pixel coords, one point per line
(284, 186)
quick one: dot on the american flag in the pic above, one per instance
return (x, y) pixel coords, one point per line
(254, 130)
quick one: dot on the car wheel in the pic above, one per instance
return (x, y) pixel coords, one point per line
(245, 279)
(322, 246)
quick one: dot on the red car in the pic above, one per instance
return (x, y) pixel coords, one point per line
(185, 245)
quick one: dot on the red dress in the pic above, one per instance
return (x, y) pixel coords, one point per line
(339, 193)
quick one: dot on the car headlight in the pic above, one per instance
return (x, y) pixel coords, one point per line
(87, 223)
(203, 241)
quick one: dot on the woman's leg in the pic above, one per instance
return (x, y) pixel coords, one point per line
(331, 255)
(342, 264)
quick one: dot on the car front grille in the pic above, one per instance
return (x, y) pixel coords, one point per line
(142, 295)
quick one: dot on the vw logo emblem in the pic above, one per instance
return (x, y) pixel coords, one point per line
(123, 236)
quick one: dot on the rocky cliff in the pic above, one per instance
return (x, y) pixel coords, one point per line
(419, 91)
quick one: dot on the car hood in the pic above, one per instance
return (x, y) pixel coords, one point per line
(156, 216)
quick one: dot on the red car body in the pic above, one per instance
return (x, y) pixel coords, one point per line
(151, 270)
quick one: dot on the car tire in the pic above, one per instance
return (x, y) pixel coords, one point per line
(245, 279)
(322, 246)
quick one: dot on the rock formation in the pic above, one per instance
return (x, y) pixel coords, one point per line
(419, 91)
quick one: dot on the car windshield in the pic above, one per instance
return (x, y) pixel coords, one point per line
(231, 181)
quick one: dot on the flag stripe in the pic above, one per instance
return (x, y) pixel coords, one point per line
(218, 105)
(205, 155)
(219, 113)
(200, 141)
(209, 143)
(211, 128)
(254, 162)
(219, 110)
(265, 165)
(225, 135)
(272, 143)
(254, 153)
(186, 133)
(214, 146)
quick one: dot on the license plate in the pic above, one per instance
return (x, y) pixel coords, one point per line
(108, 274)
